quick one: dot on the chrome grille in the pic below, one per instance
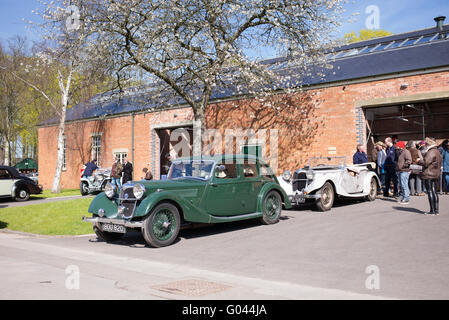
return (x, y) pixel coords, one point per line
(127, 201)
(299, 181)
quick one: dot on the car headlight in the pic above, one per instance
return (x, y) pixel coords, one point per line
(310, 175)
(139, 191)
(287, 175)
(109, 190)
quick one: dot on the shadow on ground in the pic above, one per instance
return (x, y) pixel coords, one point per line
(3, 225)
(408, 209)
(135, 239)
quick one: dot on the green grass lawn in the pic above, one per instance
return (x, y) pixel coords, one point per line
(64, 193)
(54, 218)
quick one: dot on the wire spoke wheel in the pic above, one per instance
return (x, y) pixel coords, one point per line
(161, 226)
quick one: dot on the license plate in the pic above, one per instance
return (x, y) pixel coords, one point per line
(109, 227)
(300, 198)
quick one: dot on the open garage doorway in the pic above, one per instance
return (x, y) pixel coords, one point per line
(177, 142)
(407, 121)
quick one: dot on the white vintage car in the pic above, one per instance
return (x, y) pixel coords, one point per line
(326, 178)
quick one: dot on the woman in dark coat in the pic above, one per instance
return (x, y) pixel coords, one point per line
(127, 171)
(431, 174)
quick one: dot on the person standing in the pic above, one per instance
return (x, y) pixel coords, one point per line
(381, 157)
(90, 168)
(116, 174)
(390, 168)
(147, 174)
(360, 155)
(415, 178)
(431, 174)
(445, 157)
(127, 171)
(403, 167)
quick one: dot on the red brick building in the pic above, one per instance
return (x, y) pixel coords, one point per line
(392, 85)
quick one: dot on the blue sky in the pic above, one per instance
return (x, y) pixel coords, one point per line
(395, 15)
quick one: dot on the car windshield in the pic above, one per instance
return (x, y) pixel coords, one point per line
(195, 169)
(326, 162)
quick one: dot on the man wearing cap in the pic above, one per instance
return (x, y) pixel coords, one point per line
(403, 168)
(390, 168)
(431, 174)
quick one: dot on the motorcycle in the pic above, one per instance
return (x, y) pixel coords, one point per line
(95, 183)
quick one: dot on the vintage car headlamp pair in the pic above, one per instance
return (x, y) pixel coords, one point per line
(109, 190)
(139, 191)
(287, 175)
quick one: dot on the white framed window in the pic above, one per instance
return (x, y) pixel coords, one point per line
(96, 148)
(122, 155)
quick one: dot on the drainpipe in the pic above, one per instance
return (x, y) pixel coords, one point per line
(132, 144)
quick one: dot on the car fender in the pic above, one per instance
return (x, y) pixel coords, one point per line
(367, 182)
(32, 189)
(101, 201)
(190, 212)
(267, 188)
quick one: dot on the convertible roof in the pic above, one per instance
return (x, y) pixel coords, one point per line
(407, 52)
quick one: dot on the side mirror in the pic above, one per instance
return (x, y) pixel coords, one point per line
(221, 168)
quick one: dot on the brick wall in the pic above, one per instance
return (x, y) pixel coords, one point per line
(308, 124)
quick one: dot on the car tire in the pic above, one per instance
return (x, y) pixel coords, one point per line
(161, 227)
(372, 191)
(84, 189)
(22, 194)
(107, 236)
(326, 201)
(271, 208)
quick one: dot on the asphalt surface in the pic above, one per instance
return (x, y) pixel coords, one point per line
(307, 255)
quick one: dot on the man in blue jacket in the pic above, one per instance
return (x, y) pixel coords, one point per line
(90, 168)
(390, 168)
(360, 155)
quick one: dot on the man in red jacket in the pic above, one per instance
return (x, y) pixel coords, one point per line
(403, 168)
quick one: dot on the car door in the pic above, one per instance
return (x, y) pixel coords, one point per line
(222, 191)
(250, 185)
(6, 182)
(352, 181)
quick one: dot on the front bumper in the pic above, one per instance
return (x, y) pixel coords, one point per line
(129, 224)
(299, 197)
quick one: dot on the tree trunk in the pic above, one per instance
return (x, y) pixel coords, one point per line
(60, 155)
(198, 124)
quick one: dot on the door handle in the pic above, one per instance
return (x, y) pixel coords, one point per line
(214, 185)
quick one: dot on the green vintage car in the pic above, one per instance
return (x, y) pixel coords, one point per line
(197, 190)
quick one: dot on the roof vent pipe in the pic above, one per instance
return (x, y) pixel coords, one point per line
(440, 23)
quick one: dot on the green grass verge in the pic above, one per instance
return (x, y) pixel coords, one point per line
(53, 218)
(64, 193)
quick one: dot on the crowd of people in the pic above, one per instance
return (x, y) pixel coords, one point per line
(410, 168)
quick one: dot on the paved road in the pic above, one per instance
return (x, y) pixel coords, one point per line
(308, 255)
(7, 203)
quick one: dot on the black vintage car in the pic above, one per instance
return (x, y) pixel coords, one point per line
(16, 186)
